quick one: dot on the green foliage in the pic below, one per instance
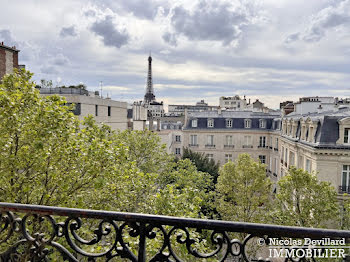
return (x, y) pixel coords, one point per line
(49, 157)
(302, 200)
(202, 163)
(243, 191)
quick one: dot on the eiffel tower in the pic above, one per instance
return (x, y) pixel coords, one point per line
(149, 96)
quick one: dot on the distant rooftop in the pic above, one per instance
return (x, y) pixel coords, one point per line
(10, 48)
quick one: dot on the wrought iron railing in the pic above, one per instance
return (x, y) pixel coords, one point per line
(344, 189)
(42, 233)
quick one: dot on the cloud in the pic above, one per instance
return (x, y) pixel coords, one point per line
(111, 35)
(49, 70)
(170, 38)
(292, 38)
(6, 37)
(328, 19)
(68, 31)
(90, 13)
(60, 60)
(213, 21)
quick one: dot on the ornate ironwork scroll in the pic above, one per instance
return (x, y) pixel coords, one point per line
(39, 233)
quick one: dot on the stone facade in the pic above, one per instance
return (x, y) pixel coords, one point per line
(104, 110)
(318, 142)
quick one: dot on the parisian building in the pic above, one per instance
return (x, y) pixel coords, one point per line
(318, 142)
(8, 59)
(104, 110)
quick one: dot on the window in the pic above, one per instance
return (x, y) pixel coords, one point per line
(193, 140)
(210, 122)
(270, 163)
(177, 151)
(228, 122)
(346, 135)
(308, 165)
(270, 141)
(301, 162)
(210, 140)
(109, 111)
(247, 141)
(277, 143)
(262, 159)
(228, 157)
(286, 156)
(96, 110)
(282, 157)
(276, 166)
(177, 138)
(292, 159)
(247, 123)
(345, 178)
(194, 123)
(262, 123)
(229, 141)
(210, 156)
(262, 141)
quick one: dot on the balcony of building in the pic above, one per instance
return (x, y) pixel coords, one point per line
(42, 233)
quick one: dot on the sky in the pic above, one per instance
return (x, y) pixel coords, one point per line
(273, 50)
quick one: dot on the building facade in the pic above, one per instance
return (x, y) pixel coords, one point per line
(104, 110)
(8, 59)
(315, 142)
(179, 110)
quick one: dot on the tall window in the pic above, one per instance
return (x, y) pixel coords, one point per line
(96, 110)
(228, 122)
(276, 142)
(308, 165)
(210, 156)
(177, 151)
(229, 141)
(286, 156)
(247, 123)
(282, 157)
(177, 138)
(194, 123)
(262, 123)
(109, 111)
(210, 122)
(292, 159)
(193, 140)
(346, 178)
(346, 135)
(247, 140)
(228, 157)
(210, 140)
(262, 141)
(262, 159)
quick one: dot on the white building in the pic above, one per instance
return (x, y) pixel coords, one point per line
(104, 110)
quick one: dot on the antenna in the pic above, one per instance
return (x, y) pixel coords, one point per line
(101, 83)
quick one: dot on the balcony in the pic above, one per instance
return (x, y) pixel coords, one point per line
(344, 189)
(247, 146)
(42, 233)
(193, 145)
(209, 146)
(229, 146)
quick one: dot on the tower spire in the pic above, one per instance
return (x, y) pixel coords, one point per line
(149, 96)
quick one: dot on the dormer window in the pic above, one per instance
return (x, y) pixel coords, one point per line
(194, 123)
(247, 123)
(262, 123)
(210, 122)
(228, 122)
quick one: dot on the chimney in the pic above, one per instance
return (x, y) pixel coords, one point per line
(219, 110)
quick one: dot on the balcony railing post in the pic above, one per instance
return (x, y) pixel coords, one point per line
(142, 243)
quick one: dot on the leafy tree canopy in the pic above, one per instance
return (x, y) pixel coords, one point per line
(302, 200)
(243, 191)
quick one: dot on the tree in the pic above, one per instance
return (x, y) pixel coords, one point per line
(243, 191)
(304, 201)
(47, 156)
(203, 163)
